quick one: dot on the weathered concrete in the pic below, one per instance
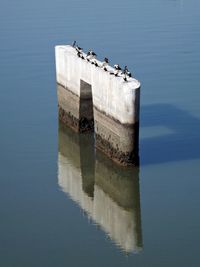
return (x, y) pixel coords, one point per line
(109, 194)
(90, 97)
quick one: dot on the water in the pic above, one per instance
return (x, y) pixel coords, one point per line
(41, 221)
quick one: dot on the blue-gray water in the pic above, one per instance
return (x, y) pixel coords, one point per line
(40, 222)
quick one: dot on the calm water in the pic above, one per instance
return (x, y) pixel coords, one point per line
(59, 204)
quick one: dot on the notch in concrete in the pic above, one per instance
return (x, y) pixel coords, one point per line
(86, 115)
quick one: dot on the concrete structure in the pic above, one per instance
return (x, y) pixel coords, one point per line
(96, 184)
(90, 97)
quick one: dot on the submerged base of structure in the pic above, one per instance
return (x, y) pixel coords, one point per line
(83, 125)
(118, 141)
(74, 111)
(120, 157)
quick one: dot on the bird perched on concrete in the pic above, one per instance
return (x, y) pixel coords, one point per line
(95, 63)
(74, 43)
(90, 55)
(126, 73)
(90, 52)
(105, 64)
(106, 60)
(117, 69)
(79, 51)
(78, 48)
(80, 54)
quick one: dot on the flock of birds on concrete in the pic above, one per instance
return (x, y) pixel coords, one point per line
(91, 57)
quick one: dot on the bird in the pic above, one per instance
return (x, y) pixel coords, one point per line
(91, 55)
(106, 60)
(117, 69)
(80, 54)
(126, 73)
(105, 63)
(95, 63)
(79, 49)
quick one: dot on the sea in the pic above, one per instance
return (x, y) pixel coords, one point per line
(62, 202)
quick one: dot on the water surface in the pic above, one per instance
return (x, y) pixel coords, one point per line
(43, 223)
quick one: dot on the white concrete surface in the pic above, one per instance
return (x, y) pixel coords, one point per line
(111, 95)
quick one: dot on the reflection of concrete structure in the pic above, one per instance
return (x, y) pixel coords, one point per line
(108, 193)
(90, 97)
(117, 204)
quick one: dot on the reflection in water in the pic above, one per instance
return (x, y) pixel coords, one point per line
(108, 193)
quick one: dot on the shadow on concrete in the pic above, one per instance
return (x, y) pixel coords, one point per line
(175, 134)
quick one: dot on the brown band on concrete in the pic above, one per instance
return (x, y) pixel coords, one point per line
(68, 119)
(82, 125)
(75, 111)
(124, 159)
(117, 141)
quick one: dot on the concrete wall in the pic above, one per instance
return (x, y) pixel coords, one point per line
(114, 102)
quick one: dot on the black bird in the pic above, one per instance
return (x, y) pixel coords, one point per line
(126, 73)
(90, 52)
(106, 60)
(105, 63)
(117, 69)
(90, 55)
(74, 43)
(79, 49)
(80, 54)
(95, 63)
